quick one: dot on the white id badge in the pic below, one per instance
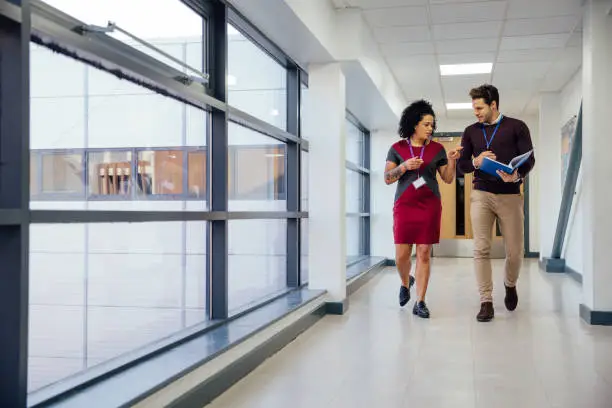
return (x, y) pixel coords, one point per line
(420, 182)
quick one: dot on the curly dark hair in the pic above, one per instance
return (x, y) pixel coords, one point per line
(412, 115)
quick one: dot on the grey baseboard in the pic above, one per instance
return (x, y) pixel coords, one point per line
(337, 308)
(573, 274)
(532, 255)
(554, 265)
(209, 390)
(594, 317)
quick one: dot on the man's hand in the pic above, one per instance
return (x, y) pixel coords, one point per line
(509, 178)
(413, 164)
(486, 153)
(454, 154)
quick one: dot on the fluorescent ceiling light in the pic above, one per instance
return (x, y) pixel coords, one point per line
(466, 69)
(458, 106)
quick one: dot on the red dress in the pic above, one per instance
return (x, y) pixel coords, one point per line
(417, 212)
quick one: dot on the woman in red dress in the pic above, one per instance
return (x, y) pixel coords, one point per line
(417, 212)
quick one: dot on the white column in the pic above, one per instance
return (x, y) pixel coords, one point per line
(326, 132)
(382, 196)
(597, 160)
(548, 156)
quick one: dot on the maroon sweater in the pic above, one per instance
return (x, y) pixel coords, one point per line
(512, 139)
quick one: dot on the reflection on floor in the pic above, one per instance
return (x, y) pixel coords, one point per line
(378, 355)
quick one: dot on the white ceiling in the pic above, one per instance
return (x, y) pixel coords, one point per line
(534, 45)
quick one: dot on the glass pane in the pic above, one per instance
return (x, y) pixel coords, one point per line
(80, 111)
(62, 173)
(353, 238)
(354, 191)
(146, 23)
(354, 144)
(257, 180)
(257, 261)
(110, 173)
(304, 182)
(197, 170)
(34, 173)
(88, 299)
(160, 172)
(257, 84)
(304, 246)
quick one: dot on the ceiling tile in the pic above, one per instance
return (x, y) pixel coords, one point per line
(468, 12)
(371, 4)
(385, 35)
(455, 1)
(546, 54)
(457, 88)
(543, 8)
(418, 68)
(524, 76)
(469, 46)
(533, 26)
(524, 69)
(466, 58)
(458, 31)
(534, 42)
(407, 48)
(398, 16)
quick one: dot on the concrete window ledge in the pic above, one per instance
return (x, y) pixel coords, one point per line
(197, 370)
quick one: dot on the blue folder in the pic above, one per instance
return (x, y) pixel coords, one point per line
(491, 167)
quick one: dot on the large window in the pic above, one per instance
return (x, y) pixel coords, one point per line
(163, 209)
(357, 191)
(155, 25)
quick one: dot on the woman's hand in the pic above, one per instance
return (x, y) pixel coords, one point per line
(413, 164)
(454, 154)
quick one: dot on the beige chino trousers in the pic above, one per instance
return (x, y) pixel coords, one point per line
(508, 209)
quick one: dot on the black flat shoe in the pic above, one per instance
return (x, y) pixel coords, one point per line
(404, 294)
(511, 299)
(420, 309)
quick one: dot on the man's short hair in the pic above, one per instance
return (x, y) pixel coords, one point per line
(487, 92)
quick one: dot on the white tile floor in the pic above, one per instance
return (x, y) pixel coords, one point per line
(378, 355)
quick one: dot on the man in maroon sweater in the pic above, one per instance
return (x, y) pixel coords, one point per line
(501, 138)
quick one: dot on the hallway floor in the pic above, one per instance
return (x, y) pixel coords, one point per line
(380, 355)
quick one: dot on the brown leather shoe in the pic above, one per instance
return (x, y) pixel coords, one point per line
(486, 312)
(511, 299)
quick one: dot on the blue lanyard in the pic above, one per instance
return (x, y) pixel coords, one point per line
(488, 142)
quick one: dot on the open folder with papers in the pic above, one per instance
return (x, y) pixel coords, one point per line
(492, 166)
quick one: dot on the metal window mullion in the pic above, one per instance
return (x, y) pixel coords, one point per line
(367, 193)
(293, 179)
(217, 231)
(14, 196)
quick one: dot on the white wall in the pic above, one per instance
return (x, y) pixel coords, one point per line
(570, 105)
(381, 196)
